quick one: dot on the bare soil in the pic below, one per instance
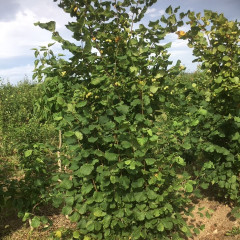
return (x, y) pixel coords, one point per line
(220, 222)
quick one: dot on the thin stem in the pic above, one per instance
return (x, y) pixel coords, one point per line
(59, 148)
(94, 184)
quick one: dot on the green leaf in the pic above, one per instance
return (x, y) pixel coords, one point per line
(111, 156)
(92, 139)
(90, 225)
(168, 224)
(180, 161)
(79, 135)
(66, 210)
(35, 223)
(76, 234)
(195, 122)
(204, 185)
(136, 102)
(123, 109)
(233, 179)
(87, 238)
(71, 108)
(69, 201)
(69, 134)
(97, 80)
(126, 144)
(140, 216)
(138, 183)
(208, 215)
(151, 194)
(160, 74)
(57, 118)
(124, 181)
(218, 80)
(50, 26)
(133, 69)
(28, 153)
(153, 89)
(140, 196)
(150, 161)
(75, 217)
(169, 10)
(184, 229)
(98, 212)
(82, 208)
(26, 216)
(153, 138)
(81, 104)
(99, 196)
(66, 184)
(88, 45)
(226, 58)
(188, 187)
(187, 145)
(172, 19)
(60, 100)
(203, 111)
(142, 141)
(50, 44)
(221, 48)
(237, 119)
(106, 221)
(160, 227)
(149, 131)
(196, 231)
(86, 169)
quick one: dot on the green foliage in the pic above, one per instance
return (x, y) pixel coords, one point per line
(120, 179)
(23, 181)
(17, 122)
(215, 42)
(136, 135)
(233, 232)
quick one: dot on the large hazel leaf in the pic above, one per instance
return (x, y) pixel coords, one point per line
(50, 26)
(188, 187)
(111, 156)
(98, 212)
(142, 141)
(79, 135)
(75, 217)
(66, 184)
(123, 109)
(86, 169)
(35, 223)
(28, 153)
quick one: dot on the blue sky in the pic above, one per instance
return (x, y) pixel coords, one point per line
(18, 34)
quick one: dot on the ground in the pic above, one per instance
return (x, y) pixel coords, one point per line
(220, 222)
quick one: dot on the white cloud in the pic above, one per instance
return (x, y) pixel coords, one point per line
(151, 10)
(154, 12)
(180, 44)
(19, 35)
(16, 74)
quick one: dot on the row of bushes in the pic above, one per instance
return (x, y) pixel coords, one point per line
(137, 136)
(19, 129)
(187, 108)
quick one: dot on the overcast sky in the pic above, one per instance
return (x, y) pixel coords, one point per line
(18, 33)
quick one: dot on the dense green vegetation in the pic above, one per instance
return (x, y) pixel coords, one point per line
(20, 129)
(119, 139)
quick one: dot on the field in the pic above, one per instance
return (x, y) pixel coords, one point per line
(117, 142)
(212, 211)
